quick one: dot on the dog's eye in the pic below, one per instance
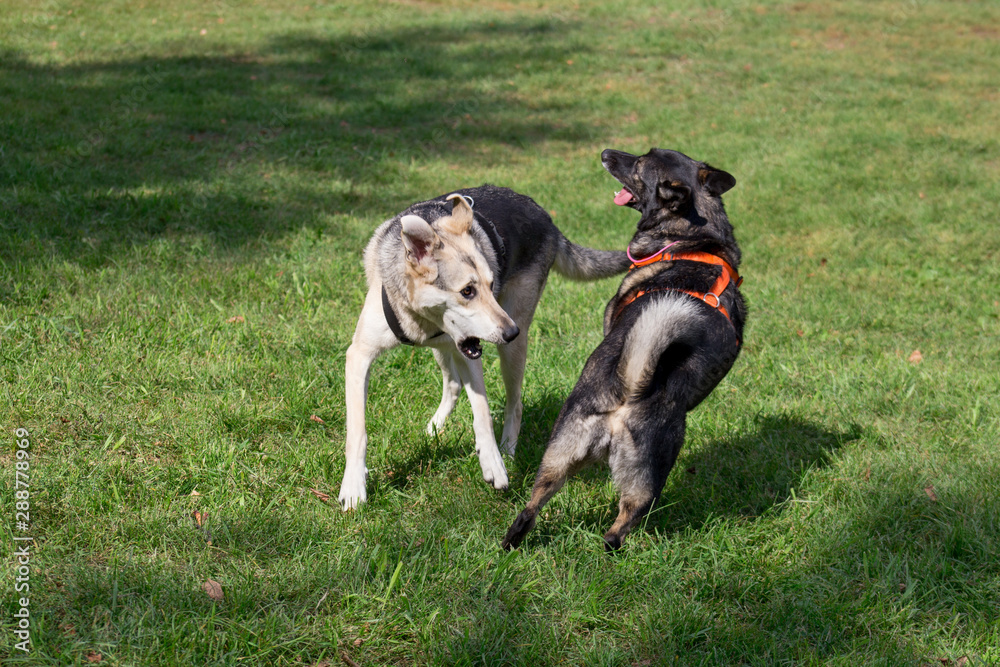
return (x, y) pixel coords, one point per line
(468, 292)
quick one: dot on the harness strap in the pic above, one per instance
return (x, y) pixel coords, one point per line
(714, 294)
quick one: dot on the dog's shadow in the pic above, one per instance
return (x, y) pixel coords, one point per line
(457, 440)
(743, 476)
(747, 475)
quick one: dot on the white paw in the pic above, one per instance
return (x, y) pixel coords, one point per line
(435, 425)
(494, 471)
(508, 445)
(352, 489)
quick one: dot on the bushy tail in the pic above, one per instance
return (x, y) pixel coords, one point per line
(580, 263)
(664, 322)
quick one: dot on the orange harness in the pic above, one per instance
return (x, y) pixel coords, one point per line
(727, 276)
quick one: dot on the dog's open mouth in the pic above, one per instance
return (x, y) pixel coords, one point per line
(470, 347)
(623, 196)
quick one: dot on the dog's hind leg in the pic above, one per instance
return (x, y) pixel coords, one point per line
(490, 460)
(640, 470)
(519, 300)
(449, 393)
(513, 357)
(568, 451)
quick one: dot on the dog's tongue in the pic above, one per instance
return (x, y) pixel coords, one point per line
(623, 197)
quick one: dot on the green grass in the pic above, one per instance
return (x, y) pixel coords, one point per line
(181, 221)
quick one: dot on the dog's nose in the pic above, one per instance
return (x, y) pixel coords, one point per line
(510, 334)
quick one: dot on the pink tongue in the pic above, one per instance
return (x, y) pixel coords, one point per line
(623, 197)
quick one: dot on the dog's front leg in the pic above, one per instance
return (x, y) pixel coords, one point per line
(352, 488)
(452, 387)
(490, 460)
(371, 338)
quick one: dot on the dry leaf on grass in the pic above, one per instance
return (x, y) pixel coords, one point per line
(961, 662)
(322, 496)
(93, 656)
(237, 318)
(199, 517)
(317, 419)
(930, 493)
(915, 357)
(347, 660)
(213, 589)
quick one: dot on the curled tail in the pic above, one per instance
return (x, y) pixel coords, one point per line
(665, 322)
(580, 263)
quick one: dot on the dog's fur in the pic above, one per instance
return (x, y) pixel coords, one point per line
(451, 284)
(662, 353)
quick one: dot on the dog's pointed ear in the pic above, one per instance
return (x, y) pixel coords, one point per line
(419, 242)
(461, 215)
(716, 181)
(675, 195)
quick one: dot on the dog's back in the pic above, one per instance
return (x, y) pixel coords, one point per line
(514, 233)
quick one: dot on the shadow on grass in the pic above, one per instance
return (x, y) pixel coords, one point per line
(747, 475)
(740, 477)
(100, 156)
(421, 459)
(457, 440)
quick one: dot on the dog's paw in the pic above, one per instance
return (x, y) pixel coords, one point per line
(494, 471)
(508, 446)
(524, 522)
(350, 501)
(435, 426)
(352, 491)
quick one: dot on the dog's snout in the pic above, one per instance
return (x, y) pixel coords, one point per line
(608, 158)
(510, 333)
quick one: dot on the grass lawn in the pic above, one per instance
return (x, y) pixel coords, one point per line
(185, 191)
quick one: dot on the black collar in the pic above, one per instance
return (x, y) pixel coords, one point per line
(393, 321)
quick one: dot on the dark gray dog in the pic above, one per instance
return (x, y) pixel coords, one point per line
(448, 274)
(672, 333)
